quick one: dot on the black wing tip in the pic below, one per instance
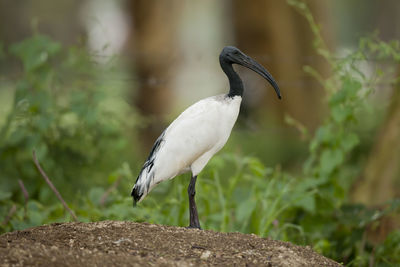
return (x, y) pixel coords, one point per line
(136, 196)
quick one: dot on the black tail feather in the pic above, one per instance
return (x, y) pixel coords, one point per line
(136, 195)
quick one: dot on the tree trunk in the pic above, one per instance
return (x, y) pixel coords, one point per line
(381, 179)
(154, 48)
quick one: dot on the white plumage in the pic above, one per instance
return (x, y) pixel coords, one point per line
(198, 133)
(184, 146)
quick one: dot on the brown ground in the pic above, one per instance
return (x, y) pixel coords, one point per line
(115, 243)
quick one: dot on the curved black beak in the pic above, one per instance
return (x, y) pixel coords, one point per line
(250, 63)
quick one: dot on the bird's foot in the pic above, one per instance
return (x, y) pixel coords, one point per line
(194, 227)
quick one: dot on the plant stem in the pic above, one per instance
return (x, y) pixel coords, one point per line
(46, 178)
(26, 196)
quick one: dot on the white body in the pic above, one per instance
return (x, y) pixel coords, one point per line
(190, 141)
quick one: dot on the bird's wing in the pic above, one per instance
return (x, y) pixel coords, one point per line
(195, 131)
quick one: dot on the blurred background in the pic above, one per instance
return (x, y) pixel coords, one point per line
(89, 85)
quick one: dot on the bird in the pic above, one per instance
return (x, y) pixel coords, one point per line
(199, 132)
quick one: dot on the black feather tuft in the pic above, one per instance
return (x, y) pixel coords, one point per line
(136, 195)
(148, 165)
(137, 191)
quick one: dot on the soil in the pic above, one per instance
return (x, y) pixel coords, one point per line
(116, 243)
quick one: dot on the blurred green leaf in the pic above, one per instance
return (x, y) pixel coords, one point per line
(330, 159)
(306, 202)
(35, 51)
(5, 195)
(95, 195)
(349, 141)
(340, 113)
(245, 209)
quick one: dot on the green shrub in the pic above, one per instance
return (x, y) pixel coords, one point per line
(74, 116)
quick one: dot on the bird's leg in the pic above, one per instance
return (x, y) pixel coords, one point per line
(194, 218)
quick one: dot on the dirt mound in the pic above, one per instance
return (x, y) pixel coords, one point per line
(114, 243)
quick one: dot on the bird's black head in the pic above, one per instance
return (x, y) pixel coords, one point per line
(231, 55)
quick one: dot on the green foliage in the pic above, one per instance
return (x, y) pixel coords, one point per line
(66, 108)
(389, 251)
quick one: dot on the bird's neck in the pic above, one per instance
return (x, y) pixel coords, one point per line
(235, 83)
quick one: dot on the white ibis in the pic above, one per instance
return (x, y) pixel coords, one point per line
(198, 133)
